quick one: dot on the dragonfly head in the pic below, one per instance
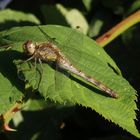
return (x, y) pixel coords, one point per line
(29, 47)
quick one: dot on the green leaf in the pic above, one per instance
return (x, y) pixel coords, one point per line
(87, 56)
(10, 18)
(10, 86)
(135, 6)
(95, 27)
(88, 4)
(60, 15)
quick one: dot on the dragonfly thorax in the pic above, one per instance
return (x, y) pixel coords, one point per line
(29, 47)
(46, 52)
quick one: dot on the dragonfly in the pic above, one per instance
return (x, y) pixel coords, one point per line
(50, 52)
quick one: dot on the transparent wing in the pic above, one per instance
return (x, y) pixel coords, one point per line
(62, 77)
(66, 46)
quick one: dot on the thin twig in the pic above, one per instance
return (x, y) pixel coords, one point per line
(118, 29)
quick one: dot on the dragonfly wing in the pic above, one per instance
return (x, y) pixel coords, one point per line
(63, 82)
(62, 85)
(70, 47)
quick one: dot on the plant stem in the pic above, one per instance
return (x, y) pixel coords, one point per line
(9, 114)
(118, 29)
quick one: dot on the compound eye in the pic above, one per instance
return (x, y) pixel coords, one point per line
(29, 47)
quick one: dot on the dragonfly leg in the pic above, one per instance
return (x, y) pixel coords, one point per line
(19, 70)
(24, 61)
(32, 57)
